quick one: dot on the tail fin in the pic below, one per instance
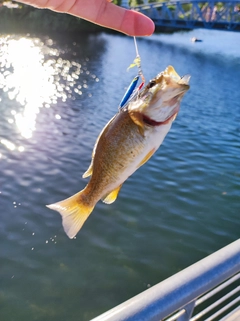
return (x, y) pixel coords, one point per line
(74, 213)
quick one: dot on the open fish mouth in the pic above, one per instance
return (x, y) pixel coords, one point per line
(160, 100)
(170, 72)
(173, 80)
(184, 80)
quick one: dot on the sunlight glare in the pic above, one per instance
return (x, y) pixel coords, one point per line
(30, 84)
(34, 76)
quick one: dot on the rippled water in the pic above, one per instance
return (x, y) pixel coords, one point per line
(55, 96)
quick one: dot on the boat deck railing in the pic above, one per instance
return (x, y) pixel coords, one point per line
(207, 290)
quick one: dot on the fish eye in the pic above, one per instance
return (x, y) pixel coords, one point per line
(152, 83)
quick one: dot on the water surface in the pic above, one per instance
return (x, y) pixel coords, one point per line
(55, 96)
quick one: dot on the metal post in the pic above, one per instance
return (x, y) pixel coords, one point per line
(188, 312)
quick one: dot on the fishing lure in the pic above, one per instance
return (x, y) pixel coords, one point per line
(131, 91)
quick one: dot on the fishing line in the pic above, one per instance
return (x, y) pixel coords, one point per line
(138, 60)
(136, 47)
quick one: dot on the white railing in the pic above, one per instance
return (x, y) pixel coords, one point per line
(176, 297)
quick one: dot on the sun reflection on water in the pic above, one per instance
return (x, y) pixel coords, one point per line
(33, 75)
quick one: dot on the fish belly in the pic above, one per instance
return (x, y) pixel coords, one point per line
(152, 142)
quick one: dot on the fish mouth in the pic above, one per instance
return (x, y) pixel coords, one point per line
(181, 90)
(173, 80)
(168, 85)
(159, 101)
(183, 85)
(170, 72)
(185, 81)
(165, 97)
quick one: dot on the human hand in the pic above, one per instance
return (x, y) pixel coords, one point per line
(101, 12)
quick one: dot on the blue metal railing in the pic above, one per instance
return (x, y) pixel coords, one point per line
(222, 15)
(178, 295)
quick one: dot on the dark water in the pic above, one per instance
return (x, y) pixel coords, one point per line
(55, 96)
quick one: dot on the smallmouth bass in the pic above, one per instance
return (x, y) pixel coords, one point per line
(127, 141)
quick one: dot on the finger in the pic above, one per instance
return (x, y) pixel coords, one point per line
(101, 12)
(109, 15)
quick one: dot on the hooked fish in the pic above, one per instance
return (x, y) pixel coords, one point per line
(127, 141)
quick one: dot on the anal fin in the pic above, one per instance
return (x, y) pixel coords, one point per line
(112, 196)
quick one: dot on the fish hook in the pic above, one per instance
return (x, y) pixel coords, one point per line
(138, 60)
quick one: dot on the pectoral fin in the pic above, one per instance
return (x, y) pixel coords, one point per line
(137, 118)
(111, 197)
(147, 157)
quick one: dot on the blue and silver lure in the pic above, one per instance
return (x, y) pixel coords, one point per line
(131, 91)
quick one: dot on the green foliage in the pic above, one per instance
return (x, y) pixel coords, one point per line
(186, 6)
(118, 2)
